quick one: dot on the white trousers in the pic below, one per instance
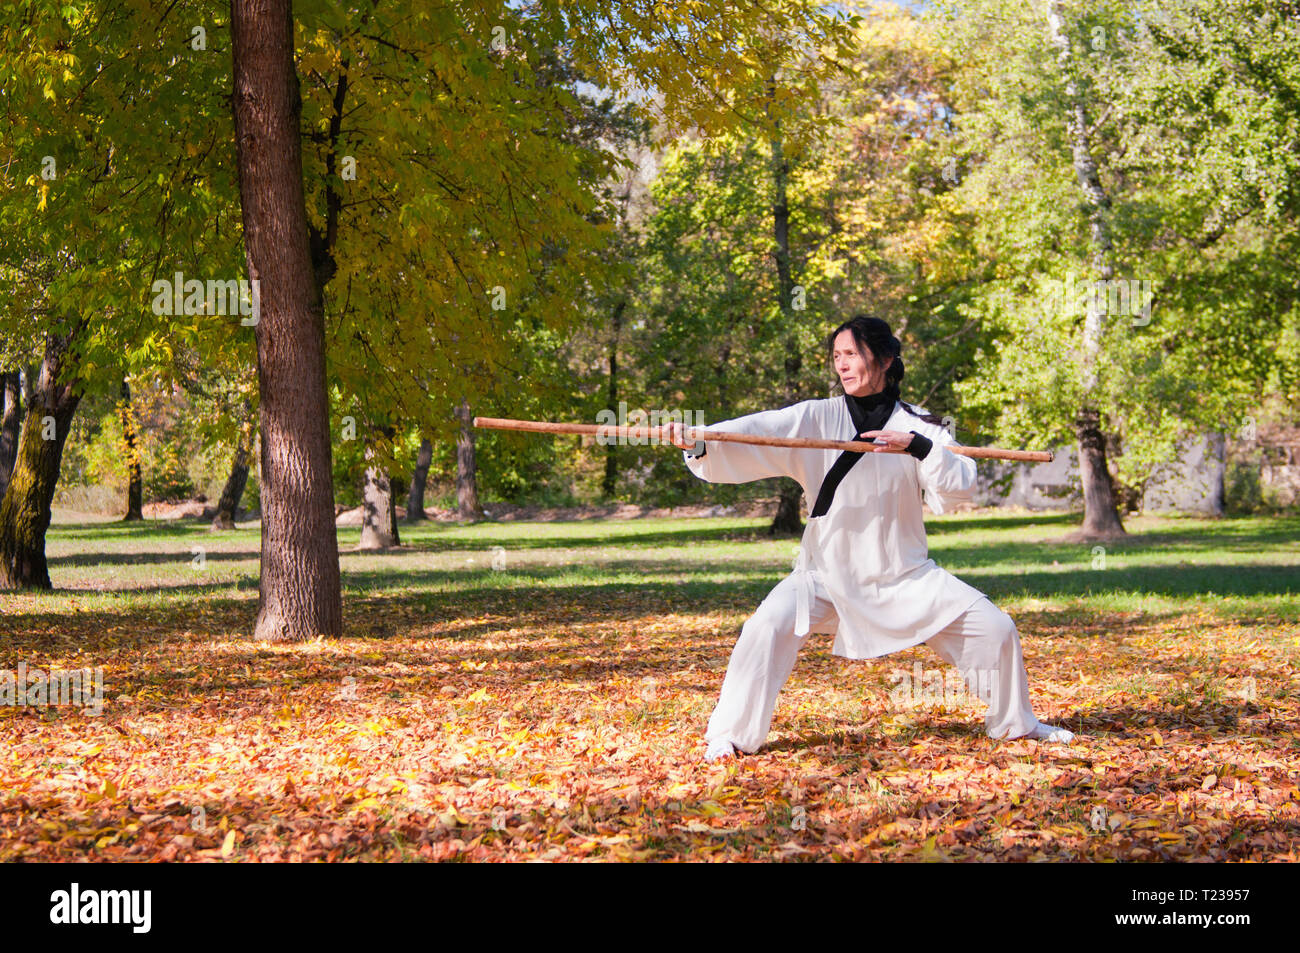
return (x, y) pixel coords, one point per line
(981, 642)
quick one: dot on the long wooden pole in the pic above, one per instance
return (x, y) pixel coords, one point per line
(692, 434)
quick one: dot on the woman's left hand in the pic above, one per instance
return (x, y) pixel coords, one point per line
(894, 440)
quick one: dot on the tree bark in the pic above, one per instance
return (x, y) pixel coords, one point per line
(467, 506)
(419, 479)
(787, 521)
(10, 425)
(25, 509)
(300, 594)
(135, 480)
(1100, 504)
(233, 491)
(379, 512)
(1099, 496)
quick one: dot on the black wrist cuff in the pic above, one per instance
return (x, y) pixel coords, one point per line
(920, 446)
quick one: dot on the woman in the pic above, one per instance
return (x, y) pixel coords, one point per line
(863, 573)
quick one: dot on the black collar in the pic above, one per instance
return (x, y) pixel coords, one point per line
(870, 412)
(871, 400)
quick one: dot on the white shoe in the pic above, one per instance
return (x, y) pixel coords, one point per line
(719, 748)
(1045, 732)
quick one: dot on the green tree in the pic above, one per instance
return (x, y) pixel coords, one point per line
(111, 154)
(1086, 248)
(434, 62)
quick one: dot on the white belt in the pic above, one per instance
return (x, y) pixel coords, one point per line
(805, 591)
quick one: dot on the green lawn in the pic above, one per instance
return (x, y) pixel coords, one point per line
(1239, 569)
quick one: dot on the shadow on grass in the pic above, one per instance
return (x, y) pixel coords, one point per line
(534, 605)
(444, 595)
(940, 526)
(138, 559)
(953, 551)
(1224, 579)
(1199, 580)
(525, 537)
(120, 530)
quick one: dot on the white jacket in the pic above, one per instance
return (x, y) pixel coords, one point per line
(869, 548)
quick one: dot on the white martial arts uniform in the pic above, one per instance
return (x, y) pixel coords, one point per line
(863, 571)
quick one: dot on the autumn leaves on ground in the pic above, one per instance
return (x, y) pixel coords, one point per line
(511, 691)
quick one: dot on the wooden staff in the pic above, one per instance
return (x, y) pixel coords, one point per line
(696, 433)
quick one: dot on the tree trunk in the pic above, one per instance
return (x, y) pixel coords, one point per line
(787, 521)
(10, 425)
(1101, 518)
(379, 512)
(233, 491)
(467, 507)
(610, 482)
(300, 595)
(135, 482)
(25, 509)
(419, 479)
(1099, 497)
(1217, 447)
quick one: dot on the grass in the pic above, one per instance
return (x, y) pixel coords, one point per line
(554, 706)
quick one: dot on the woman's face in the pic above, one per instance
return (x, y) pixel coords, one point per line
(860, 375)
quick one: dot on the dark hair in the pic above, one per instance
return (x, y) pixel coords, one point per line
(873, 334)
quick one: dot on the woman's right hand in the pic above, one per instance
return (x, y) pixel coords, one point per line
(674, 434)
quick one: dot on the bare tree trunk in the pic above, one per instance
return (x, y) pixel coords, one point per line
(233, 491)
(25, 509)
(419, 479)
(135, 480)
(1100, 504)
(787, 520)
(467, 507)
(1217, 447)
(10, 425)
(379, 511)
(300, 587)
(610, 481)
